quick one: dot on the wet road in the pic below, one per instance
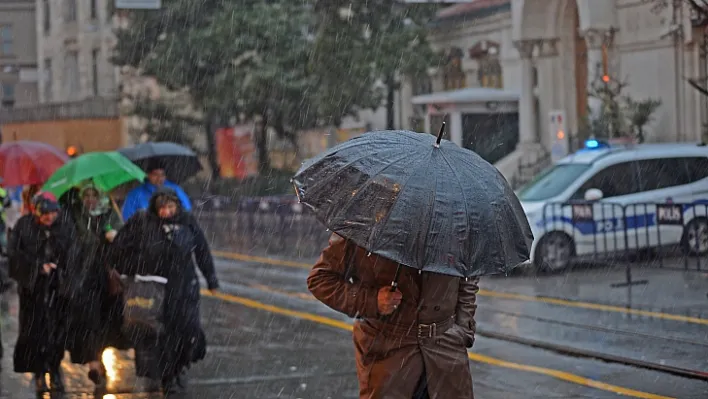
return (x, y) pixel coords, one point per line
(270, 339)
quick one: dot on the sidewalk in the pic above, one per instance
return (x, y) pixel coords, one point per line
(667, 290)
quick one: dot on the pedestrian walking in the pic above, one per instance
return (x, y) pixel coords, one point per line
(410, 338)
(417, 221)
(41, 247)
(161, 244)
(139, 197)
(94, 313)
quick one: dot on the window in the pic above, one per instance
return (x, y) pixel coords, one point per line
(48, 77)
(453, 76)
(613, 181)
(8, 95)
(552, 182)
(697, 168)
(490, 72)
(71, 74)
(94, 70)
(46, 14)
(656, 174)
(6, 39)
(69, 10)
(94, 9)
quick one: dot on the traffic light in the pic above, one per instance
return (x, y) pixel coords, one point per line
(72, 151)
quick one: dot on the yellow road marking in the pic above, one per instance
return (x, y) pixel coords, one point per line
(260, 259)
(561, 375)
(496, 294)
(593, 306)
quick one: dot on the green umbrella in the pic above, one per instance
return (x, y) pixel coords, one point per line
(107, 170)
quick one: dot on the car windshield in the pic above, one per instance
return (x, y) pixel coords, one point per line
(552, 182)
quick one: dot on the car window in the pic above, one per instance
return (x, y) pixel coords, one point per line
(552, 182)
(656, 174)
(697, 168)
(613, 181)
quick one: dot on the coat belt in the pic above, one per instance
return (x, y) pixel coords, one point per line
(419, 330)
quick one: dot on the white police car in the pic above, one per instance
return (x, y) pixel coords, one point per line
(606, 199)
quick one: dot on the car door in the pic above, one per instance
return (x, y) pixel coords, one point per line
(619, 185)
(662, 181)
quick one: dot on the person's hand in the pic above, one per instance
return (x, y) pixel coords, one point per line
(214, 291)
(48, 267)
(111, 235)
(388, 301)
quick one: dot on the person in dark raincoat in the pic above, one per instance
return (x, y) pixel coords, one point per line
(410, 343)
(160, 241)
(94, 314)
(40, 249)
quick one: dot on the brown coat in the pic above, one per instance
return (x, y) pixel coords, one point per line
(429, 332)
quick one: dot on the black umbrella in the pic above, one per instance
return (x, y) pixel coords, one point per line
(422, 202)
(180, 162)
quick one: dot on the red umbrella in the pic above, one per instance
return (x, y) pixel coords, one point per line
(28, 162)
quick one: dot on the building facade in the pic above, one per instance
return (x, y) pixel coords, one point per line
(74, 42)
(18, 54)
(542, 58)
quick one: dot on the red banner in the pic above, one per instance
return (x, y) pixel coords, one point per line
(236, 152)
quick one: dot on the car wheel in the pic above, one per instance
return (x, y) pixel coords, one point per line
(554, 252)
(695, 237)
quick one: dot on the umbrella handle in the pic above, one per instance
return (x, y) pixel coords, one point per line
(394, 283)
(115, 207)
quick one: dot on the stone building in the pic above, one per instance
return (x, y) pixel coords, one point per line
(74, 41)
(18, 54)
(510, 63)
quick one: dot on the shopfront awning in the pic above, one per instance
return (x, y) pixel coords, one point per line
(468, 95)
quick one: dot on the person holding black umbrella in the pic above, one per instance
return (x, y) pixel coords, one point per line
(410, 342)
(41, 247)
(139, 197)
(417, 221)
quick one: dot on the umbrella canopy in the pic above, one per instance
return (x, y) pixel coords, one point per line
(28, 162)
(180, 162)
(431, 206)
(108, 170)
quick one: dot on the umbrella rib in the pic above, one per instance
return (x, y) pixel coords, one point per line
(430, 219)
(459, 183)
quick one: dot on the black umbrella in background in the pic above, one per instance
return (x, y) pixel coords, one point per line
(180, 162)
(424, 203)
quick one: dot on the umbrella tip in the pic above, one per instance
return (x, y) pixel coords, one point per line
(440, 135)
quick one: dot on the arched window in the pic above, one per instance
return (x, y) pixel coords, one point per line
(453, 75)
(489, 73)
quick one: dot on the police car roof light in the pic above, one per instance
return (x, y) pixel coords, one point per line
(593, 144)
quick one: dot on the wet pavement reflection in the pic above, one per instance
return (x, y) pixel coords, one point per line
(269, 339)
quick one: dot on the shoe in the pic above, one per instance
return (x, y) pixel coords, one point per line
(40, 383)
(56, 381)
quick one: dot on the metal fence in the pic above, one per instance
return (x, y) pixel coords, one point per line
(673, 235)
(282, 229)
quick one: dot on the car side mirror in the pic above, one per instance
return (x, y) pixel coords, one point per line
(593, 194)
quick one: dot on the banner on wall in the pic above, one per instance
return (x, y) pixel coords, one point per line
(236, 152)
